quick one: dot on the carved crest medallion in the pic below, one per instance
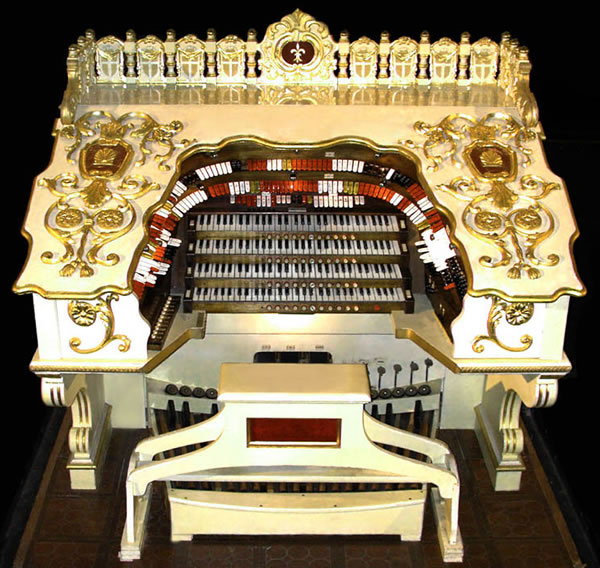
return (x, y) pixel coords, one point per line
(105, 159)
(298, 49)
(298, 52)
(491, 161)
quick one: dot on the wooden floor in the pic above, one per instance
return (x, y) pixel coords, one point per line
(500, 530)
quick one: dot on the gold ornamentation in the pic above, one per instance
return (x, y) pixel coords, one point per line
(495, 163)
(189, 59)
(297, 94)
(300, 52)
(85, 314)
(488, 220)
(514, 314)
(298, 49)
(85, 219)
(518, 313)
(527, 219)
(444, 59)
(69, 218)
(105, 158)
(230, 60)
(138, 125)
(484, 61)
(446, 139)
(491, 158)
(82, 313)
(109, 60)
(110, 219)
(363, 60)
(515, 223)
(403, 60)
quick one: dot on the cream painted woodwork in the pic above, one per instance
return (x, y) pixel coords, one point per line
(89, 434)
(250, 391)
(459, 117)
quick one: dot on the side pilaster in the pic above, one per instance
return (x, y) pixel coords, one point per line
(89, 435)
(498, 427)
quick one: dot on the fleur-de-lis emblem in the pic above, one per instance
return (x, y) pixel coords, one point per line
(298, 52)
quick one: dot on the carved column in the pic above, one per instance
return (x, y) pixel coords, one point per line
(91, 426)
(498, 429)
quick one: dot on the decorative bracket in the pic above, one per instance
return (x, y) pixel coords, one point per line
(85, 314)
(515, 314)
(91, 425)
(498, 428)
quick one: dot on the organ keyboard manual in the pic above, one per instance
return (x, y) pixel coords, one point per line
(295, 269)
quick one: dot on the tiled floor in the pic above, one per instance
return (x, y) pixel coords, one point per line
(499, 530)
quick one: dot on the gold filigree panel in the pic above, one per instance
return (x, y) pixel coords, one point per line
(109, 60)
(514, 222)
(97, 205)
(502, 208)
(445, 140)
(444, 60)
(150, 60)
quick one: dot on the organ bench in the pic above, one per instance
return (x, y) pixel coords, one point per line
(295, 424)
(237, 241)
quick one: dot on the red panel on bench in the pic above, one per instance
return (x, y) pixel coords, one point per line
(293, 431)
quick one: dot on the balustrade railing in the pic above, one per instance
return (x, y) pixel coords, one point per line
(291, 53)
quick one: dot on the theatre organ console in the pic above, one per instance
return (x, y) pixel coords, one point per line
(296, 261)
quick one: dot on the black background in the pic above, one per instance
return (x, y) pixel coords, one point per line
(564, 68)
